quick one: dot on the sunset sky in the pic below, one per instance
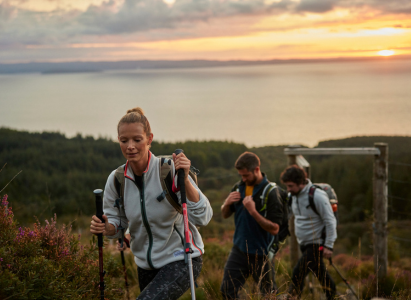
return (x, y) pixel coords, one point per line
(97, 30)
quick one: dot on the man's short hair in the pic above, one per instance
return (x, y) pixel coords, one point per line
(247, 160)
(294, 174)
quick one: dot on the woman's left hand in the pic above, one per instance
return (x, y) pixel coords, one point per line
(182, 162)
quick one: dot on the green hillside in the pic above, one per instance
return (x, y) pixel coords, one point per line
(59, 174)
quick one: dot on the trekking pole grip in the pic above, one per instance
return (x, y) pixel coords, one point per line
(99, 212)
(181, 176)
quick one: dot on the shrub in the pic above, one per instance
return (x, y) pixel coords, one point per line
(395, 283)
(47, 262)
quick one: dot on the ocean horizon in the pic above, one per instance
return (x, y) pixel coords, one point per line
(301, 103)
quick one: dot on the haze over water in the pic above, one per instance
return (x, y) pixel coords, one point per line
(255, 105)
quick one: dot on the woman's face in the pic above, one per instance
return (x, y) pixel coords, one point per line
(133, 141)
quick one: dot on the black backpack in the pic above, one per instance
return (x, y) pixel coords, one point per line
(284, 230)
(284, 198)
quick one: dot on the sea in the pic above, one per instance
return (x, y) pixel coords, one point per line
(277, 104)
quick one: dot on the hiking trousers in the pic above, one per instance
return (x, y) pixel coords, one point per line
(311, 260)
(240, 266)
(168, 283)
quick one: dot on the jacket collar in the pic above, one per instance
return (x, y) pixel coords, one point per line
(128, 172)
(306, 188)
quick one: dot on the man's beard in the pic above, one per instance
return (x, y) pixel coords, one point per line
(251, 182)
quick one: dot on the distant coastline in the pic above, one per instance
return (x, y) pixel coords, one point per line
(99, 66)
(63, 71)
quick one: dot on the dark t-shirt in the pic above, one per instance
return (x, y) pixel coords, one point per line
(249, 236)
(139, 181)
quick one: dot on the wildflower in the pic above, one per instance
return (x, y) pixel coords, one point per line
(21, 232)
(4, 201)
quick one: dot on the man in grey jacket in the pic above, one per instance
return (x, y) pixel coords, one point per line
(316, 233)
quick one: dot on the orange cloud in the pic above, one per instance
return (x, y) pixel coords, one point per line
(214, 29)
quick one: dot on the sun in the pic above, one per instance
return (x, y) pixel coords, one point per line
(386, 52)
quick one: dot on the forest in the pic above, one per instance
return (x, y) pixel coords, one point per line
(59, 173)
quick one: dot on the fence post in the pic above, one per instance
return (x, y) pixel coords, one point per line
(294, 254)
(380, 193)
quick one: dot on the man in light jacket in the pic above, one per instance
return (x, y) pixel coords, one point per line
(316, 232)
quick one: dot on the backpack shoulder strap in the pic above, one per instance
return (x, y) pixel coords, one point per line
(119, 181)
(167, 182)
(311, 199)
(236, 187)
(264, 196)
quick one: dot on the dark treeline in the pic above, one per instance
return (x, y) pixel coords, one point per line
(60, 173)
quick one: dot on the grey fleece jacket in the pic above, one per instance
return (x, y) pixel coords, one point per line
(156, 228)
(309, 225)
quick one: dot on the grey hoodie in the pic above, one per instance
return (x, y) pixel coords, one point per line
(309, 225)
(156, 228)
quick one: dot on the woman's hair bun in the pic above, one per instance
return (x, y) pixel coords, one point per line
(138, 110)
(135, 115)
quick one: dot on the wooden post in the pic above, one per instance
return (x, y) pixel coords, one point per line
(380, 193)
(294, 251)
(303, 163)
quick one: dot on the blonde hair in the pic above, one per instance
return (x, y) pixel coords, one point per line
(135, 115)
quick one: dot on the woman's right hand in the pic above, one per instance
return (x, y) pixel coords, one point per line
(98, 227)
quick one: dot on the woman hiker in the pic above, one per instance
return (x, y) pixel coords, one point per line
(155, 226)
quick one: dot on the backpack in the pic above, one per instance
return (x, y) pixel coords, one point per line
(284, 231)
(283, 197)
(165, 179)
(330, 193)
(332, 196)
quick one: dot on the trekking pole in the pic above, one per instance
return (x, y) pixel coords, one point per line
(121, 241)
(343, 279)
(123, 261)
(99, 213)
(188, 250)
